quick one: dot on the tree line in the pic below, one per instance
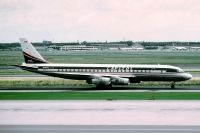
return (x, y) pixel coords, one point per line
(128, 43)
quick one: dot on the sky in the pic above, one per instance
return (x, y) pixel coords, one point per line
(99, 20)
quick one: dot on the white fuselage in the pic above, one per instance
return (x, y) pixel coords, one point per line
(134, 73)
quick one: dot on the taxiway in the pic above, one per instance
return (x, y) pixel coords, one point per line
(98, 129)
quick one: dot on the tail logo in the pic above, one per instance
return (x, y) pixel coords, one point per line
(31, 59)
(31, 55)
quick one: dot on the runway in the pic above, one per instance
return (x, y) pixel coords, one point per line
(98, 129)
(55, 116)
(93, 89)
(99, 112)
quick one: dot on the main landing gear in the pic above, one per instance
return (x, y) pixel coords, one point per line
(173, 85)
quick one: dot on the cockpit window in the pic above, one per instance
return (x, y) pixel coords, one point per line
(175, 70)
(171, 70)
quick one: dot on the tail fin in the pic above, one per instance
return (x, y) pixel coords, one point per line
(31, 55)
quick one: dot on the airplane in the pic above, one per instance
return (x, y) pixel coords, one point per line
(132, 48)
(102, 75)
(179, 48)
(195, 48)
(138, 48)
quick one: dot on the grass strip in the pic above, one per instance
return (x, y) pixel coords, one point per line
(100, 96)
(76, 83)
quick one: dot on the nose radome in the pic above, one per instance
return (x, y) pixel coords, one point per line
(188, 76)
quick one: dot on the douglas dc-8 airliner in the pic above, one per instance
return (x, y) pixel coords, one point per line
(102, 75)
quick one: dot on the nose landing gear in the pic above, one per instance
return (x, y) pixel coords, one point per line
(173, 85)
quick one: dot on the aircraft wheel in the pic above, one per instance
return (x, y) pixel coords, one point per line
(109, 86)
(172, 85)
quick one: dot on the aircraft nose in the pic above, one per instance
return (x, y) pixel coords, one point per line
(187, 76)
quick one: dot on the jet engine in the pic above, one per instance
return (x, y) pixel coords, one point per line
(100, 80)
(120, 81)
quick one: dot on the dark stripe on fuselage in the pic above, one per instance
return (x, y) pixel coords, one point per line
(132, 76)
(106, 68)
(139, 76)
(135, 76)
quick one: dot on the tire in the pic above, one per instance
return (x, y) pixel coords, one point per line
(173, 85)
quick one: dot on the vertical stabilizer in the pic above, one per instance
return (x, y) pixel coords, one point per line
(30, 54)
